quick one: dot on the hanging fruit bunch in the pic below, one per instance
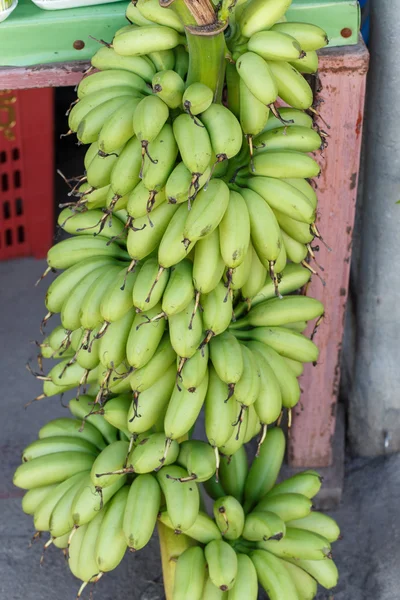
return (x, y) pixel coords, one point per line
(190, 236)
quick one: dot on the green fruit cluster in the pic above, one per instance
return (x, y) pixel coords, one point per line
(190, 235)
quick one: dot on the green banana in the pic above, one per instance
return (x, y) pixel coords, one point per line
(307, 483)
(106, 58)
(194, 370)
(163, 60)
(74, 551)
(117, 300)
(286, 342)
(141, 511)
(292, 278)
(113, 343)
(151, 10)
(222, 564)
(182, 500)
(281, 311)
(194, 145)
(70, 313)
(283, 197)
(283, 163)
(89, 500)
(88, 103)
(169, 86)
(288, 117)
(247, 388)
(148, 120)
(164, 356)
(183, 409)
(119, 128)
(210, 591)
(88, 570)
(233, 89)
(106, 79)
(319, 523)
(217, 311)
(257, 75)
(56, 444)
(89, 128)
(265, 468)
(204, 529)
(198, 458)
(295, 251)
(310, 37)
(292, 87)
(268, 404)
(171, 249)
(110, 544)
(229, 516)
(301, 232)
(186, 330)
(197, 98)
(295, 138)
(181, 61)
(273, 576)
(246, 584)
(90, 314)
(233, 472)
(61, 520)
(190, 574)
(179, 290)
(146, 39)
(296, 367)
(34, 497)
(145, 239)
(144, 337)
(263, 525)
(227, 359)
(82, 406)
(79, 223)
(163, 152)
(234, 231)
(239, 427)
(261, 14)
(111, 459)
(42, 513)
(306, 586)
(275, 45)
(220, 411)
(149, 285)
(298, 543)
(149, 454)
(116, 411)
(125, 174)
(71, 251)
(323, 571)
(258, 276)
(141, 202)
(288, 507)
(179, 184)
(208, 264)
(224, 131)
(65, 426)
(253, 113)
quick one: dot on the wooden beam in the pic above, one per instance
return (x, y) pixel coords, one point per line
(42, 76)
(340, 102)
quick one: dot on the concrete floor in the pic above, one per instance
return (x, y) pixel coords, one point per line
(368, 556)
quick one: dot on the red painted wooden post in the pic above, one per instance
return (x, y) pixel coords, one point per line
(40, 76)
(343, 77)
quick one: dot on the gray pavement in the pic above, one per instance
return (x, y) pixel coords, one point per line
(368, 556)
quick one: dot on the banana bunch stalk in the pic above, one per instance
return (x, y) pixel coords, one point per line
(191, 237)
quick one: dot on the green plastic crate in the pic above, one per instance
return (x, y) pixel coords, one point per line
(31, 36)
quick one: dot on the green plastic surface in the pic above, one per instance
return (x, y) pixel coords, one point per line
(31, 36)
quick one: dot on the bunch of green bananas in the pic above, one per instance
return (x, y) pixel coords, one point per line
(190, 236)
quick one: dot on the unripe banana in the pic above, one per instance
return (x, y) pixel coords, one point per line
(258, 276)
(227, 359)
(190, 574)
(149, 454)
(292, 87)
(307, 64)
(222, 564)
(197, 98)
(163, 60)
(106, 58)
(295, 366)
(246, 584)
(144, 337)
(93, 100)
(289, 117)
(211, 592)
(194, 370)
(298, 543)
(268, 404)
(182, 500)
(253, 426)
(181, 61)
(80, 223)
(50, 469)
(233, 472)
(145, 239)
(61, 520)
(149, 285)
(106, 79)
(204, 529)
(307, 483)
(229, 516)
(263, 525)
(220, 412)
(90, 314)
(217, 311)
(112, 458)
(194, 145)
(141, 511)
(224, 131)
(214, 489)
(61, 287)
(310, 37)
(208, 264)
(69, 252)
(125, 174)
(261, 14)
(301, 232)
(265, 468)
(303, 186)
(280, 164)
(179, 184)
(87, 566)
(169, 86)
(206, 214)
(146, 39)
(275, 45)
(273, 576)
(72, 427)
(91, 125)
(117, 300)
(112, 346)
(257, 76)
(253, 113)
(56, 444)
(134, 15)
(239, 427)
(34, 497)
(277, 311)
(42, 513)
(319, 523)
(306, 586)
(295, 251)
(164, 356)
(295, 137)
(198, 458)
(99, 172)
(292, 278)
(171, 249)
(118, 129)
(287, 342)
(90, 152)
(116, 411)
(74, 551)
(288, 507)
(186, 331)
(183, 409)
(89, 500)
(151, 10)
(111, 544)
(234, 231)
(149, 118)
(179, 290)
(323, 571)
(264, 229)
(70, 311)
(284, 197)
(163, 151)
(151, 404)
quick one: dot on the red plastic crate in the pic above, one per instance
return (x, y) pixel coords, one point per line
(26, 172)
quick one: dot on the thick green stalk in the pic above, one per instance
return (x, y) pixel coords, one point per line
(206, 52)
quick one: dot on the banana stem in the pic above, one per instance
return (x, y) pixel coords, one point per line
(206, 52)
